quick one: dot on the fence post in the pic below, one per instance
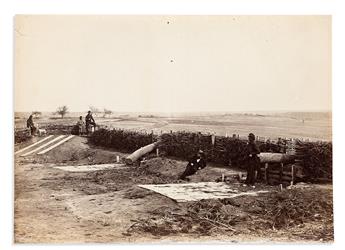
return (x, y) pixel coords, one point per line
(292, 174)
(213, 138)
(266, 172)
(281, 172)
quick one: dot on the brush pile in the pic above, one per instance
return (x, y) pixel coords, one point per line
(201, 218)
(122, 140)
(21, 136)
(316, 159)
(292, 212)
(58, 129)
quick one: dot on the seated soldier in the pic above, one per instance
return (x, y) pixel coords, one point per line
(196, 163)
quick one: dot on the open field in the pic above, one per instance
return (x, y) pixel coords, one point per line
(306, 125)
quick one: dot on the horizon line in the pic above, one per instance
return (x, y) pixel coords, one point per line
(213, 111)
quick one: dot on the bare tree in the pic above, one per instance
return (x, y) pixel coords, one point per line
(94, 110)
(63, 110)
(107, 112)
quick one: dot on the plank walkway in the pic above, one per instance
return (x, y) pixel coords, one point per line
(32, 145)
(55, 145)
(43, 146)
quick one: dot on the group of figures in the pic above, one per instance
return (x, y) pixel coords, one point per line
(87, 126)
(84, 128)
(198, 162)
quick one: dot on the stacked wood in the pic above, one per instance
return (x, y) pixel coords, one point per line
(316, 159)
(281, 174)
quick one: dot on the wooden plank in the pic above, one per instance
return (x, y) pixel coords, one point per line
(274, 176)
(266, 172)
(281, 170)
(286, 178)
(42, 146)
(55, 145)
(90, 168)
(287, 173)
(32, 145)
(271, 171)
(278, 172)
(198, 191)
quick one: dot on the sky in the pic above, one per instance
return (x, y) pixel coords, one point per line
(173, 63)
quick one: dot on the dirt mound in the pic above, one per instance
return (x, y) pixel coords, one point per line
(110, 180)
(163, 167)
(168, 167)
(137, 193)
(76, 151)
(138, 174)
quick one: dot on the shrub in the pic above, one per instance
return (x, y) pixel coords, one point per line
(122, 140)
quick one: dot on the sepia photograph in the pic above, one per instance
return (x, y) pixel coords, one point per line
(173, 129)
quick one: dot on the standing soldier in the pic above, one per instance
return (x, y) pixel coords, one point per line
(89, 121)
(30, 124)
(253, 163)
